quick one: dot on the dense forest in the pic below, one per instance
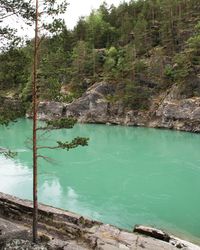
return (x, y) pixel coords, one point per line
(142, 47)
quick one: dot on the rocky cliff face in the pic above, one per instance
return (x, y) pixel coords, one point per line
(179, 114)
(94, 107)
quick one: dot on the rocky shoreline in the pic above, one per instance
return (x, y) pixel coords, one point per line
(60, 229)
(166, 111)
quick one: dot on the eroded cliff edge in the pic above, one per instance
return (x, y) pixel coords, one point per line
(168, 110)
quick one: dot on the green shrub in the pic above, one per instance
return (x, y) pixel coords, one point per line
(136, 97)
(169, 72)
(140, 66)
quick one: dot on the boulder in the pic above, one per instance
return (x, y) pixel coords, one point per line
(92, 106)
(179, 114)
(152, 232)
(48, 110)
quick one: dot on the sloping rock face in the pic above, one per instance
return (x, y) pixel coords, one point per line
(49, 110)
(177, 113)
(180, 115)
(94, 106)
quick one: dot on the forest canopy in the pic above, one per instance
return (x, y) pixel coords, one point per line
(143, 46)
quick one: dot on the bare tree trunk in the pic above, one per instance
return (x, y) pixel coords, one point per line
(35, 199)
(94, 61)
(93, 52)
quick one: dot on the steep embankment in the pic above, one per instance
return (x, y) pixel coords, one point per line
(165, 111)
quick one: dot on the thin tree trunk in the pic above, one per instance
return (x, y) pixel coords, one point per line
(94, 61)
(35, 199)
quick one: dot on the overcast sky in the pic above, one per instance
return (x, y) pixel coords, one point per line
(78, 8)
(75, 10)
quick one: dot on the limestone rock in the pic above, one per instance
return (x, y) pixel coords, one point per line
(179, 114)
(92, 106)
(154, 233)
(50, 110)
(168, 111)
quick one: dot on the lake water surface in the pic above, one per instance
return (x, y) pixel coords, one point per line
(126, 175)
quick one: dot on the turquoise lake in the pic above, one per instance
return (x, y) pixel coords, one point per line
(126, 176)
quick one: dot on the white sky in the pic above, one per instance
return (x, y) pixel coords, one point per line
(75, 10)
(78, 8)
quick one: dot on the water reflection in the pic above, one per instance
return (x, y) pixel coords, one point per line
(125, 176)
(15, 177)
(50, 192)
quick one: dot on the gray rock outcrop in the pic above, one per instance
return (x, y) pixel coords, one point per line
(48, 110)
(176, 113)
(94, 106)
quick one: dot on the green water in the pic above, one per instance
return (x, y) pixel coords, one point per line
(126, 175)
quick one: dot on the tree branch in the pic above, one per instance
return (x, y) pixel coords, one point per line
(78, 141)
(48, 147)
(46, 158)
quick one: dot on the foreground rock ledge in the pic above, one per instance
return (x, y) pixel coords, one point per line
(60, 229)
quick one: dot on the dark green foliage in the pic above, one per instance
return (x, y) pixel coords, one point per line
(19, 8)
(154, 41)
(136, 97)
(52, 68)
(82, 61)
(14, 70)
(194, 46)
(183, 66)
(16, 7)
(61, 123)
(25, 11)
(5, 117)
(64, 123)
(186, 65)
(7, 153)
(169, 72)
(140, 66)
(78, 141)
(111, 61)
(9, 111)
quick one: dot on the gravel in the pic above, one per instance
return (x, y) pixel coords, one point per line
(18, 244)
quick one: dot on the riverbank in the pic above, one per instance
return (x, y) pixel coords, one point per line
(168, 110)
(60, 229)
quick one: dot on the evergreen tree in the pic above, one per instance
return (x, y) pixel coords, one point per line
(18, 8)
